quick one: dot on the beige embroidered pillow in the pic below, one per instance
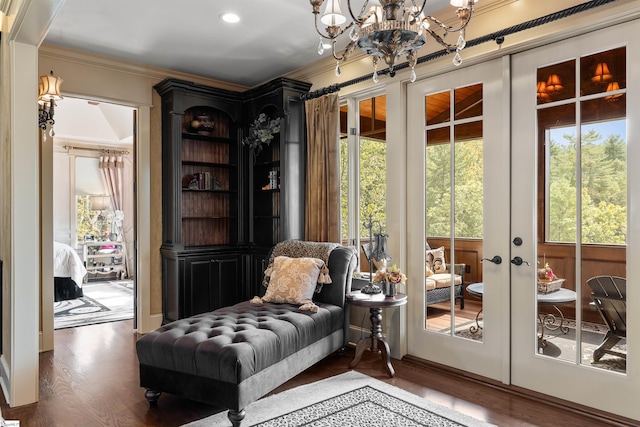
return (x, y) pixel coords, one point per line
(434, 260)
(293, 280)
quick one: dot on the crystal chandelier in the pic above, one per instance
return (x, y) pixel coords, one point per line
(389, 29)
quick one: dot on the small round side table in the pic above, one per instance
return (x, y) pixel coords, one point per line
(375, 342)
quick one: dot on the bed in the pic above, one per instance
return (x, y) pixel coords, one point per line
(68, 272)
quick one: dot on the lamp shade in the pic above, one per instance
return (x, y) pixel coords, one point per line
(333, 14)
(462, 3)
(602, 73)
(49, 87)
(100, 203)
(554, 84)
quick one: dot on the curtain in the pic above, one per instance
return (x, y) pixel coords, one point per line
(322, 202)
(112, 168)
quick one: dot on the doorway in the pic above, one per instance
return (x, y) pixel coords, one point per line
(554, 131)
(455, 143)
(93, 209)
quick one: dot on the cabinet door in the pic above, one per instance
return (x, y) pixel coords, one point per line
(200, 294)
(227, 281)
(211, 283)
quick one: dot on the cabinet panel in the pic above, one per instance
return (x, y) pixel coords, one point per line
(211, 282)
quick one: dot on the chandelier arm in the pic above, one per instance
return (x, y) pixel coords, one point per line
(357, 19)
(345, 53)
(463, 25)
(417, 13)
(440, 40)
(328, 34)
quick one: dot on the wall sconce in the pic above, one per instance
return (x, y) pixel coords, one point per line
(48, 92)
(602, 73)
(541, 92)
(612, 87)
(554, 84)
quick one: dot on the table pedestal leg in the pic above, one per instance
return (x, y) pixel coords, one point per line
(376, 343)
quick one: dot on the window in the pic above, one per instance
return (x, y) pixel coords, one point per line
(592, 148)
(468, 158)
(363, 152)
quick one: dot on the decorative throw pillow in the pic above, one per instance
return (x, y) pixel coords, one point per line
(293, 280)
(434, 260)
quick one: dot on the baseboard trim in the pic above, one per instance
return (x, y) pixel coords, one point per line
(565, 405)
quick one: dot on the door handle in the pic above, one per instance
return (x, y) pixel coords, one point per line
(519, 261)
(497, 259)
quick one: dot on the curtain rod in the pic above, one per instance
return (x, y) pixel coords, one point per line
(103, 150)
(497, 36)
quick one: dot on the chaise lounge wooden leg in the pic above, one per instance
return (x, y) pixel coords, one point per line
(152, 396)
(236, 417)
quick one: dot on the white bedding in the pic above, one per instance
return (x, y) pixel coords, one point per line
(67, 263)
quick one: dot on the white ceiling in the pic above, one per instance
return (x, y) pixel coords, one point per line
(273, 37)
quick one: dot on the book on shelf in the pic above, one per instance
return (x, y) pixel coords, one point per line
(204, 181)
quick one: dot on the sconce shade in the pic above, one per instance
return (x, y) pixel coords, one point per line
(554, 84)
(541, 92)
(611, 87)
(49, 87)
(100, 203)
(602, 73)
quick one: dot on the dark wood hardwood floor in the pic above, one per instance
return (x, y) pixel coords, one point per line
(91, 379)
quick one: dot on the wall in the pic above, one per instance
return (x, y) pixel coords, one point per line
(94, 77)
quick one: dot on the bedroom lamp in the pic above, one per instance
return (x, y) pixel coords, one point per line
(100, 203)
(389, 29)
(48, 92)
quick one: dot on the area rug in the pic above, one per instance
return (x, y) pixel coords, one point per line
(102, 302)
(350, 399)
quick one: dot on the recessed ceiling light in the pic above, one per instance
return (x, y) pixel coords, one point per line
(230, 17)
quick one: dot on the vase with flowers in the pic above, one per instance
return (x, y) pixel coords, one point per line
(261, 132)
(390, 278)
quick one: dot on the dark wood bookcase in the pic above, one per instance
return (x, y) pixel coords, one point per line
(277, 212)
(201, 224)
(219, 216)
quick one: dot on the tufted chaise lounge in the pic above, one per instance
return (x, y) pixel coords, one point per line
(232, 356)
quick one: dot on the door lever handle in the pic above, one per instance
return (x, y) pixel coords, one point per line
(519, 261)
(497, 259)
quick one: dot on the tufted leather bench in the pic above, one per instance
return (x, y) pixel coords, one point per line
(232, 356)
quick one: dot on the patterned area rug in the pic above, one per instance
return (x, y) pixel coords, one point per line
(350, 399)
(102, 302)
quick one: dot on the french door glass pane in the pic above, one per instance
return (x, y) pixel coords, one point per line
(453, 210)
(583, 211)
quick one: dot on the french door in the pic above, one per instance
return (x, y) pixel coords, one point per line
(555, 186)
(458, 145)
(575, 192)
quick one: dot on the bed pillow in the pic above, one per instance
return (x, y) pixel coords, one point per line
(434, 261)
(293, 280)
